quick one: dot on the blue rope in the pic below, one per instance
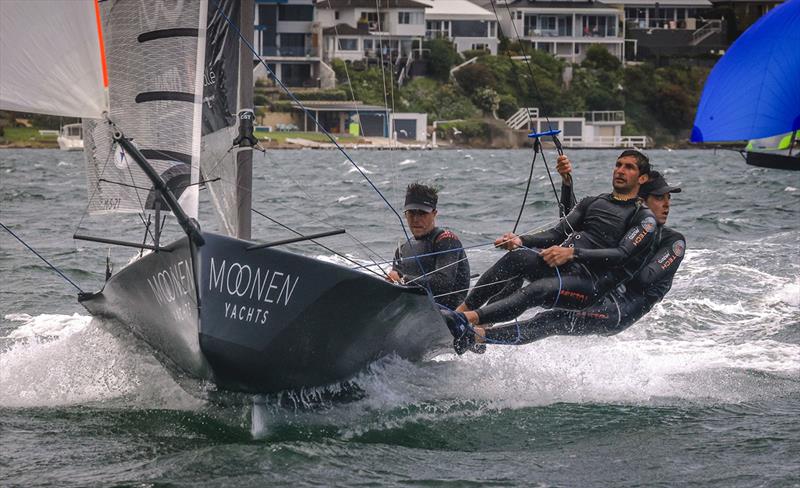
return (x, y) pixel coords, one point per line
(41, 257)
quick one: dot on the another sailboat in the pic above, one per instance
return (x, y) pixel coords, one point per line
(753, 92)
(70, 137)
(159, 89)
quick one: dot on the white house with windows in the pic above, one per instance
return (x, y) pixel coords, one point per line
(283, 38)
(563, 28)
(371, 30)
(468, 25)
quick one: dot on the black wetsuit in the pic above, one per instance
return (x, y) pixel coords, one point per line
(439, 256)
(616, 312)
(612, 240)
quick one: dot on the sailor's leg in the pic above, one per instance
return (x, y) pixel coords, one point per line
(544, 324)
(564, 291)
(520, 262)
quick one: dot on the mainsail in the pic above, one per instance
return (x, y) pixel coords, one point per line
(154, 54)
(51, 55)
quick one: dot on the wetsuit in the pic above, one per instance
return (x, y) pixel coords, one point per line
(440, 257)
(612, 240)
(619, 309)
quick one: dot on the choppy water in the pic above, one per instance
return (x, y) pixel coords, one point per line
(705, 390)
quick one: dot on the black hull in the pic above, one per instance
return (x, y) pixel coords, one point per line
(773, 160)
(266, 320)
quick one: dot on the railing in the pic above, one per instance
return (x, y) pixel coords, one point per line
(710, 28)
(522, 118)
(290, 51)
(605, 141)
(601, 116)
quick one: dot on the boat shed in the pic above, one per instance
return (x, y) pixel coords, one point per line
(339, 117)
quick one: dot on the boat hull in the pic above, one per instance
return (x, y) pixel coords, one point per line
(773, 160)
(266, 320)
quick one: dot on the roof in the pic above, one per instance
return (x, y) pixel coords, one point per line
(554, 4)
(339, 106)
(370, 4)
(456, 10)
(344, 30)
(661, 3)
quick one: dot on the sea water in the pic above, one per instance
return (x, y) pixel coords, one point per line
(704, 390)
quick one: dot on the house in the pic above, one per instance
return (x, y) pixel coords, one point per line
(672, 28)
(595, 129)
(380, 31)
(285, 40)
(563, 28)
(469, 26)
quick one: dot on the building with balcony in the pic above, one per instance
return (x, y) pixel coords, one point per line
(595, 129)
(381, 31)
(564, 28)
(673, 28)
(285, 40)
(463, 22)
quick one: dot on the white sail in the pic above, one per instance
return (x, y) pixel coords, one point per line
(154, 53)
(51, 58)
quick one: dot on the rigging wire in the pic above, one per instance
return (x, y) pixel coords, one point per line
(41, 257)
(308, 114)
(537, 144)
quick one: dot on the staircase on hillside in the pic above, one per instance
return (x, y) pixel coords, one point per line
(712, 27)
(522, 118)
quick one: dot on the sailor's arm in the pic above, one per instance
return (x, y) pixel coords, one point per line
(663, 265)
(561, 230)
(636, 239)
(395, 275)
(564, 168)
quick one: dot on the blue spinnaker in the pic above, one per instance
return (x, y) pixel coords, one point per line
(754, 90)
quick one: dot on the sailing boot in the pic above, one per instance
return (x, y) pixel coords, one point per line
(463, 335)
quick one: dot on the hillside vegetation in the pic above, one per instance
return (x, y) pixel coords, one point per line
(658, 102)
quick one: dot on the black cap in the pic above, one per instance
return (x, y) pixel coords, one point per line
(657, 185)
(420, 197)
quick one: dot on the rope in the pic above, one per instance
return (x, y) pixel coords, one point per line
(41, 257)
(308, 114)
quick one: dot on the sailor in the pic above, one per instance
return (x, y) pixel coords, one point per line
(434, 258)
(601, 243)
(624, 305)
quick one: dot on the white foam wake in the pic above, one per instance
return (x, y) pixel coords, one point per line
(58, 360)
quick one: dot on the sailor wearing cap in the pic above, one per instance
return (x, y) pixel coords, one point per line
(434, 258)
(628, 302)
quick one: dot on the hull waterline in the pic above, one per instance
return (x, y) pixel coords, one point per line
(265, 320)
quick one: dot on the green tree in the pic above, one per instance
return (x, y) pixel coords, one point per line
(442, 56)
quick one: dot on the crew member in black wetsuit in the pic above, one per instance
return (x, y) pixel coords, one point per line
(624, 305)
(602, 242)
(435, 258)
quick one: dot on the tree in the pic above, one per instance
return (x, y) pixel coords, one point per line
(442, 56)
(487, 100)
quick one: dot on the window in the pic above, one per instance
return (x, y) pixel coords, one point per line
(599, 26)
(348, 44)
(437, 29)
(403, 17)
(492, 28)
(376, 22)
(336, 14)
(480, 47)
(301, 13)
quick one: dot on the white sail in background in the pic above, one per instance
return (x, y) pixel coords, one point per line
(154, 53)
(51, 58)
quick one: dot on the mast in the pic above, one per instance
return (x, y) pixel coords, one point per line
(244, 157)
